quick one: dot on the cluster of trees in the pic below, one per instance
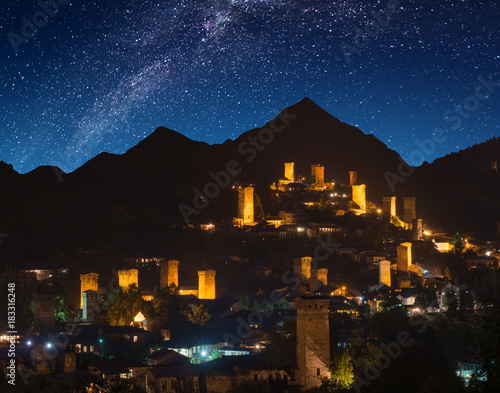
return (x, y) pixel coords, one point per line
(122, 306)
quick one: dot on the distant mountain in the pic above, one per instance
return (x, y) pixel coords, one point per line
(133, 197)
(460, 191)
(314, 136)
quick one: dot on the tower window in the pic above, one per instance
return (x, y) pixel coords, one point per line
(318, 372)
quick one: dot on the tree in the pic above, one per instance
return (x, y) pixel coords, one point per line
(164, 308)
(199, 315)
(448, 275)
(122, 306)
(389, 301)
(342, 370)
(361, 352)
(62, 312)
(395, 220)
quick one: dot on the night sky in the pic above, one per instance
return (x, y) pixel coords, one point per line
(102, 75)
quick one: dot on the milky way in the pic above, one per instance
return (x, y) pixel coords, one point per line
(101, 76)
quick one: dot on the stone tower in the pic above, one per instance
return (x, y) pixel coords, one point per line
(173, 272)
(88, 282)
(404, 256)
(318, 175)
(169, 273)
(245, 205)
(206, 284)
(319, 278)
(313, 340)
(44, 313)
(389, 207)
(90, 306)
(384, 273)
(127, 278)
(417, 231)
(359, 196)
(302, 267)
(353, 178)
(289, 174)
(409, 210)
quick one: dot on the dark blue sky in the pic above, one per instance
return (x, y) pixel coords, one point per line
(101, 76)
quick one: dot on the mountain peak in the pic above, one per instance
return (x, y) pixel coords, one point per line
(308, 107)
(161, 139)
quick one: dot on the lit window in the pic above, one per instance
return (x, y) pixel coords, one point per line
(135, 339)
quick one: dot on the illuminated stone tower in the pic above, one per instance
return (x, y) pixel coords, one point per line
(409, 210)
(245, 205)
(389, 207)
(359, 196)
(88, 282)
(127, 278)
(384, 273)
(319, 278)
(289, 174)
(404, 257)
(302, 267)
(353, 178)
(313, 340)
(173, 272)
(318, 175)
(169, 273)
(206, 284)
(417, 231)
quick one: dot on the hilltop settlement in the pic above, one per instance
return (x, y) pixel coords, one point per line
(304, 283)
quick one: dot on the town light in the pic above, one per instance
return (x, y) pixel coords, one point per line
(204, 353)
